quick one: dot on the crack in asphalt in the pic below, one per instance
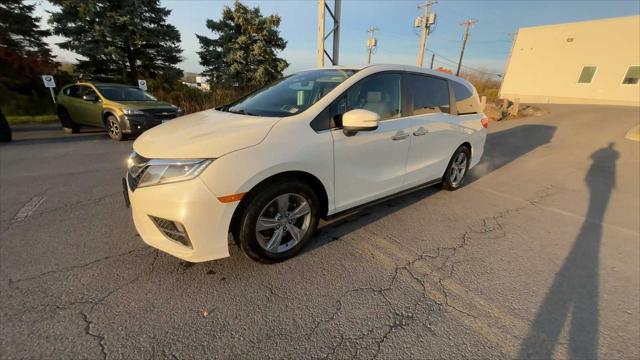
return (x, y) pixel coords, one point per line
(441, 273)
(13, 282)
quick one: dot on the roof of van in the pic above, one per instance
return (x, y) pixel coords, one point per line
(394, 67)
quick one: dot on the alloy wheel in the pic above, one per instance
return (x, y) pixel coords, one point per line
(283, 223)
(114, 128)
(458, 169)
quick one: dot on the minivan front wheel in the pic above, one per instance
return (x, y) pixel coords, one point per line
(113, 128)
(278, 221)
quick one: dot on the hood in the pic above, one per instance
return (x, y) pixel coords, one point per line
(146, 105)
(206, 134)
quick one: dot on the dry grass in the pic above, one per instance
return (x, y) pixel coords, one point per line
(194, 100)
(486, 85)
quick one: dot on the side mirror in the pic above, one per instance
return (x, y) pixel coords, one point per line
(359, 120)
(90, 97)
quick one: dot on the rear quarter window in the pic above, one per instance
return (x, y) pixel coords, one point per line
(466, 100)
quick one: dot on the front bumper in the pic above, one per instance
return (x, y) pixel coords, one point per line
(190, 203)
(136, 124)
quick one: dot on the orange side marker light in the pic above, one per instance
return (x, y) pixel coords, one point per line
(231, 198)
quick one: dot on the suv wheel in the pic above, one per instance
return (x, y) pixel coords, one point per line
(279, 221)
(457, 169)
(67, 123)
(113, 128)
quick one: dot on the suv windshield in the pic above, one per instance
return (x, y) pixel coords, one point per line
(124, 93)
(291, 95)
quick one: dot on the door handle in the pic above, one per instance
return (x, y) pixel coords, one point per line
(400, 135)
(421, 131)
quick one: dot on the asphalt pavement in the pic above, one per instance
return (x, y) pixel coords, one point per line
(537, 256)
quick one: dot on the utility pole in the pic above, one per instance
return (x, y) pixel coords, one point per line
(425, 22)
(433, 57)
(372, 42)
(468, 24)
(323, 8)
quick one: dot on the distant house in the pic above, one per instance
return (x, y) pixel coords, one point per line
(202, 82)
(589, 62)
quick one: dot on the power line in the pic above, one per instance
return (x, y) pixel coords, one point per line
(453, 62)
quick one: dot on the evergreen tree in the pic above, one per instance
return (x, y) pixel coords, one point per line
(123, 38)
(24, 56)
(244, 50)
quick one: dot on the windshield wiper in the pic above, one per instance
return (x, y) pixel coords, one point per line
(241, 112)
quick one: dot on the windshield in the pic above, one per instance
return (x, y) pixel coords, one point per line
(292, 94)
(124, 93)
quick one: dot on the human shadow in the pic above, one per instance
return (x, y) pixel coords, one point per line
(501, 148)
(574, 292)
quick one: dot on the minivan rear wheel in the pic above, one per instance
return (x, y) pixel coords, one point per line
(457, 170)
(279, 221)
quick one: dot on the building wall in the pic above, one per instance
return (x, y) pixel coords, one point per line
(546, 61)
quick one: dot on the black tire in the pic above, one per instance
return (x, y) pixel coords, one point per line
(114, 128)
(69, 126)
(452, 178)
(259, 201)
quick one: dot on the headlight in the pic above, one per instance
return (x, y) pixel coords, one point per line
(132, 112)
(169, 171)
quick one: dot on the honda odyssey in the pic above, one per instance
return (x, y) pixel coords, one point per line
(316, 144)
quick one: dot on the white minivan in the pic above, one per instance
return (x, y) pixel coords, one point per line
(315, 144)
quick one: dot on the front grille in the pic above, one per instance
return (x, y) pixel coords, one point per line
(137, 168)
(170, 229)
(162, 114)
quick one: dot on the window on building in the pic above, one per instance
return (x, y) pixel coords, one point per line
(587, 74)
(632, 76)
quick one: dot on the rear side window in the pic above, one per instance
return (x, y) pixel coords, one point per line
(466, 101)
(428, 94)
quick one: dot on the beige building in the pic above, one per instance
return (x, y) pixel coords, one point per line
(589, 62)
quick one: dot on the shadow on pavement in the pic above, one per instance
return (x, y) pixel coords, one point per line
(574, 292)
(34, 134)
(502, 147)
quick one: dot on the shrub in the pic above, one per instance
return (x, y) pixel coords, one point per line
(192, 100)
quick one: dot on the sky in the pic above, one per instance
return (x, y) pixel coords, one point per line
(487, 48)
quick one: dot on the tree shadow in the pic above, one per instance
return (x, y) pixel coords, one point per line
(501, 148)
(574, 292)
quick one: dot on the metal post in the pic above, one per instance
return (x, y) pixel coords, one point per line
(53, 95)
(336, 31)
(433, 57)
(320, 55)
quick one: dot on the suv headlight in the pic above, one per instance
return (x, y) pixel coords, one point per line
(132, 112)
(158, 172)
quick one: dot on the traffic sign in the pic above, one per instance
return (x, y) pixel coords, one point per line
(142, 84)
(48, 81)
